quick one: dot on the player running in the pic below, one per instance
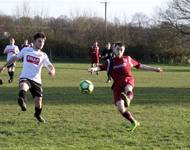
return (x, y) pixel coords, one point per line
(107, 53)
(30, 79)
(11, 50)
(94, 54)
(120, 70)
(25, 44)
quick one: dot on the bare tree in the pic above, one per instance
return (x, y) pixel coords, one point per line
(140, 20)
(178, 15)
(23, 10)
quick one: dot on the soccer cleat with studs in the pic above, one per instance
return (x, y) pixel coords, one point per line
(134, 125)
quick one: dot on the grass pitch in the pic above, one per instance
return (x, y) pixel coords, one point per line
(77, 121)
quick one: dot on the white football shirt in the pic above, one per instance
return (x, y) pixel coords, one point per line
(11, 50)
(33, 61)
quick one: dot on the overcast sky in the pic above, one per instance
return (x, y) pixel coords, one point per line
(55, 8)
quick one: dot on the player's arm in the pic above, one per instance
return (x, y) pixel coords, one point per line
(149, 68)
(49, 66)
(100, 67)
(138, 65)
(11, 61)
(5, 51)
(51, 70)
(94, 69)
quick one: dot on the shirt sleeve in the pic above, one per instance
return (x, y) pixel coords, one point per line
(20, 54)
(6, 49)
(46, 61)
(134, 63)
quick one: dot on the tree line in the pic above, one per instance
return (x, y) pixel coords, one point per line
(162, 39)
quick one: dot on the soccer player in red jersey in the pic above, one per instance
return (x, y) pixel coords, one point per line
(94, 54)
(119, 68)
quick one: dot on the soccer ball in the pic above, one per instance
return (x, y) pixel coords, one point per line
(86, 86)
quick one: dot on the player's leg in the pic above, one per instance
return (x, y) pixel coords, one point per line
(97, 72)
(24, 86)
(92, 64)
(123, 110)
(97, 64)
(126, 114)
(38, 109)
(37, 93)
(9, 73)
(108, 78)
(108, 72)
(120, 103)
(92, 61)
(127, 95)
(12, 69)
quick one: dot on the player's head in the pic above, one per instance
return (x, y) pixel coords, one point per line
(119, 49)
(39, 40)
(12, 41)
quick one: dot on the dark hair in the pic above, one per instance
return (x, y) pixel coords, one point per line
(119, 44)
(11, 38)
(39, 35)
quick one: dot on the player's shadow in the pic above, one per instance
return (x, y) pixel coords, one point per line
(101, 95)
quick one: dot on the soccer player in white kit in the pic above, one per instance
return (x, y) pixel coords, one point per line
(11, 50)
(30, 79)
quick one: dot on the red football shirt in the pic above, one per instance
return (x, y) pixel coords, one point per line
(120, 68)
(94, 51)
(94, 54)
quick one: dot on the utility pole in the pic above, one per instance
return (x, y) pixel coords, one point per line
(105, 4)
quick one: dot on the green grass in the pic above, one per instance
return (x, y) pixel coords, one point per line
(91, 122)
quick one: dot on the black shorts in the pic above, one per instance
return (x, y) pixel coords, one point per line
(11, 65)
(35, 88)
